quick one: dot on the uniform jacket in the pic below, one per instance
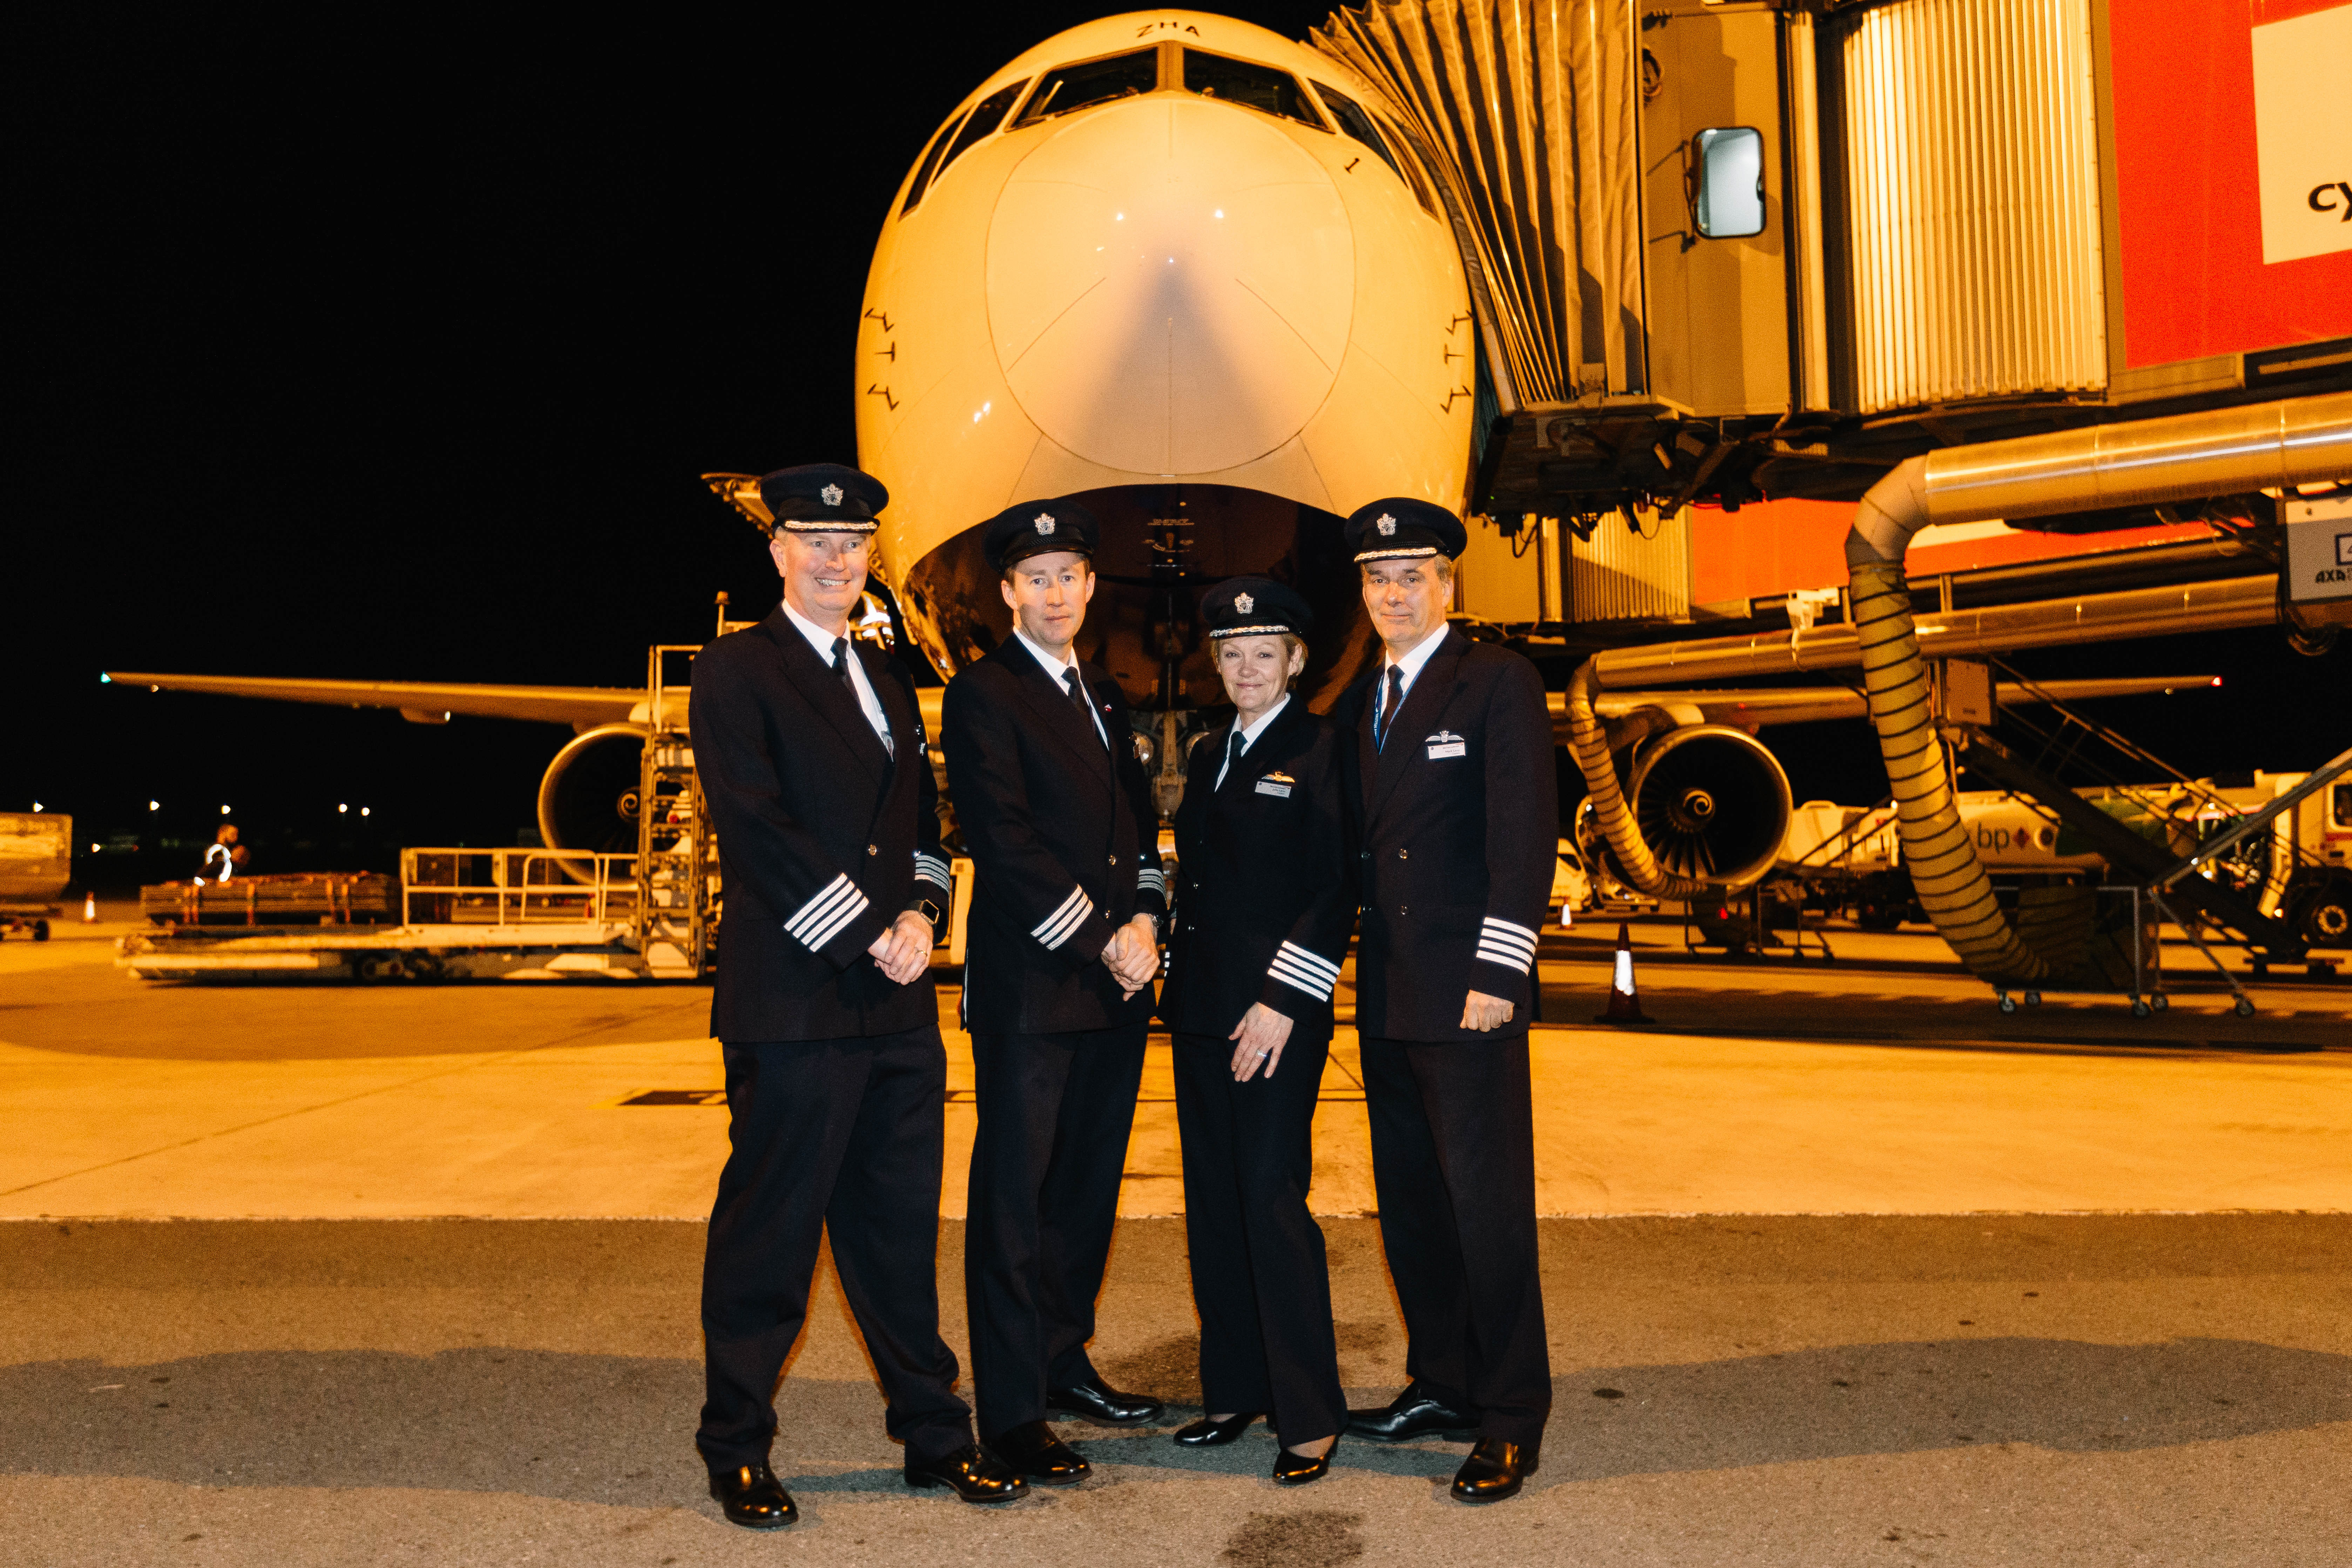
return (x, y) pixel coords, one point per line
(1064, 843)
(1267, 878)
(823, 836)
(1458, 821)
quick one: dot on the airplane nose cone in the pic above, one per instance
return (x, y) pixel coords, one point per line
(1169, 286)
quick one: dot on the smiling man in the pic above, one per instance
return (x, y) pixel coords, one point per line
(1451, 777)
(810, 748)
(1062, 945)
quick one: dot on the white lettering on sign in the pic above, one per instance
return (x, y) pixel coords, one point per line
(2303, 131)
(2319, 550)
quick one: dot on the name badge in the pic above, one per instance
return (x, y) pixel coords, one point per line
(1446, 743)
(1276, 784)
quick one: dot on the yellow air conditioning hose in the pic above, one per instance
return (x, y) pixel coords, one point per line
(1636, 863)
(1946, 875)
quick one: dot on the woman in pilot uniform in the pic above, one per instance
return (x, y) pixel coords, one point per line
(1267, 898)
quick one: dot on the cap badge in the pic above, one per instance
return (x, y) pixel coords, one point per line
(1244, 603)
(1387, 525)
(830, 495)
(1044, 522)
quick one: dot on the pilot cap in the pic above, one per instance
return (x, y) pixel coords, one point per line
(823, 498)
(1255, 607)
(1039, 528)
(1400, 527)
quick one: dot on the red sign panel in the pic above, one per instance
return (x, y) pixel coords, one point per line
(2201, 184)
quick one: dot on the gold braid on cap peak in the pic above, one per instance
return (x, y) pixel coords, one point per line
(1396, 555)
(1252, 632)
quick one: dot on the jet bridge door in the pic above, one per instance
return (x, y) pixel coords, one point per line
(1718, 308)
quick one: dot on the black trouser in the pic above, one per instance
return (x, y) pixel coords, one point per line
(1259, 1279)
(1055, 1113)
(841, 1136)
(1454, 1163)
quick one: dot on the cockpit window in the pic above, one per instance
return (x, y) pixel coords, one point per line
(1415, 174)
(1094, 82)
(984, 119)
(1356, 124)
(1359, 124)
(1257, 87)
(931, 166)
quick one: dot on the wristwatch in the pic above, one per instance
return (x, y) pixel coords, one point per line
(930, 911)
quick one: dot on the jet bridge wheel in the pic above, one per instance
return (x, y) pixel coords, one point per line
(2140, 1009)
(2008, 1002)
(2245, 1008)
(2160, 1001)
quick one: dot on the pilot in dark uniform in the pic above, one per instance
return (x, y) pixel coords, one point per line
(810, 750)
(1449, 754)
(1265, 900)
(1060, 951)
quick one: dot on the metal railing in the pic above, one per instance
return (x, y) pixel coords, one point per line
(517, 886)
(2188, 810)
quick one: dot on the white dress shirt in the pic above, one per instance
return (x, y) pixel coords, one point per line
(1249, 737)
(1054, 667)
(1410, 664)
(822, 640)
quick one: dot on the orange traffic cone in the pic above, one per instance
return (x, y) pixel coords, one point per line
(89, 908)
(1624, 1002)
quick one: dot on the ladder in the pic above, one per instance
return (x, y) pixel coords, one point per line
(677, 854)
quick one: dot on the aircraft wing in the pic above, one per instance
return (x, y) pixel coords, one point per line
(1808, 704)
(420, 702)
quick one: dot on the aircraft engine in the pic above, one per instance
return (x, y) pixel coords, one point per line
(1713, 803)
(588, 798)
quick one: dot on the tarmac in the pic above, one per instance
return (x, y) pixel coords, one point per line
(1843, 1265)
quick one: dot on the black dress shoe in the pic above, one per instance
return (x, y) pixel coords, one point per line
(1100, 1402)
(1495, 1471)
(750, 1496)
(971, 1472)
(1032, 1449)
(1296, 1469)
(1411, 1413)
(1209, 1433)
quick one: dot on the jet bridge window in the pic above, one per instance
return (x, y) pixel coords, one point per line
(1727, 174)
(1262, 88)
(1092, 82)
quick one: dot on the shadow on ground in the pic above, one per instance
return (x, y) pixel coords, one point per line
(615, 1430)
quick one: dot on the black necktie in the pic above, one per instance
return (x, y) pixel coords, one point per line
(841, 669)
(1078, 695)
(1232, 753)
(1389, 708)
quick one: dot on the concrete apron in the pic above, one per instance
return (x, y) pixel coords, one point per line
(1775, 1391)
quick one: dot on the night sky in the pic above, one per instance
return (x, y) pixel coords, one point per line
(389, 345)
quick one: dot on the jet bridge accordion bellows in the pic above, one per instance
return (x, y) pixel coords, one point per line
(1528, 111)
